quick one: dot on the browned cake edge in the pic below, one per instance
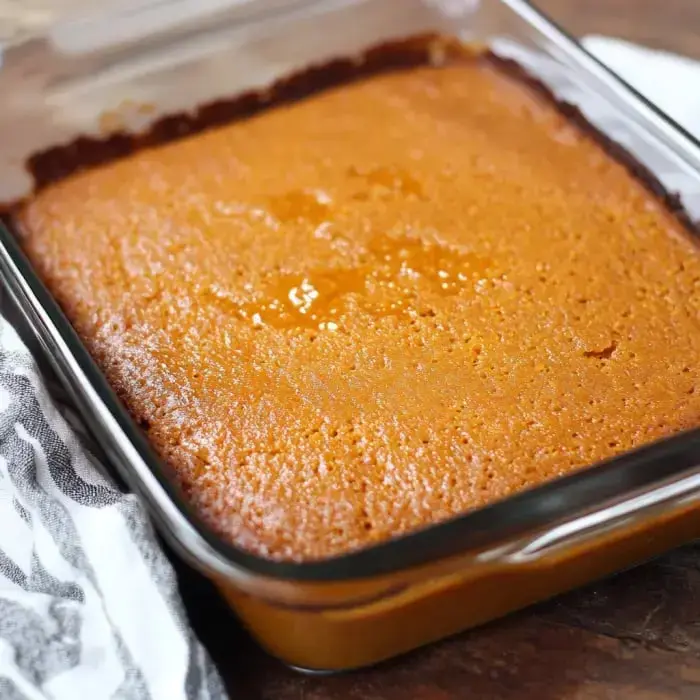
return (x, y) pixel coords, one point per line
(53, 164)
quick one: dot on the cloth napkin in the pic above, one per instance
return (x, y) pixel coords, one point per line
(89, 606)
(668, 80)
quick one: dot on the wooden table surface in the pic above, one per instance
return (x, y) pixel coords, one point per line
(673, 25)
(635, 636)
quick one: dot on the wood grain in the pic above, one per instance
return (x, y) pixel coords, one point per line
(635, 636)
(673, 25)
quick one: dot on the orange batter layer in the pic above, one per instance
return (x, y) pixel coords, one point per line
(378, 307)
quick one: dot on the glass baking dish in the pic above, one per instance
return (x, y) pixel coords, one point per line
(122, 70)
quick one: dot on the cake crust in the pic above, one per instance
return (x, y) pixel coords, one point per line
(353, 315)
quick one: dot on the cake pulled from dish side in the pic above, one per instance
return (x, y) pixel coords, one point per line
(362, 312)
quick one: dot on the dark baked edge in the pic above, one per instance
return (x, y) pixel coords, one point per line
(53, 164)
(671, 200)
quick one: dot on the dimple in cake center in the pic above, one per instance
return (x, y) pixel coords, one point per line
(395, 272)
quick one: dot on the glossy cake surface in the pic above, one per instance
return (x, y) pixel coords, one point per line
(380, 306)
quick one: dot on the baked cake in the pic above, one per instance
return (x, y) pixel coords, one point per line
(395, 300)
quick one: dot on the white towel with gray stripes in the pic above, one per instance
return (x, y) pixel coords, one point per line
(89, 606)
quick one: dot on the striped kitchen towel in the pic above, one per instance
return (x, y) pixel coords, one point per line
(89, 606)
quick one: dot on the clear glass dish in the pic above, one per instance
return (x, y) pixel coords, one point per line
(124, 67)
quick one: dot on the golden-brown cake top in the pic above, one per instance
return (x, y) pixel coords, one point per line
(381, 306)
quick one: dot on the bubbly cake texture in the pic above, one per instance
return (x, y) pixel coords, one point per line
(380, 306)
